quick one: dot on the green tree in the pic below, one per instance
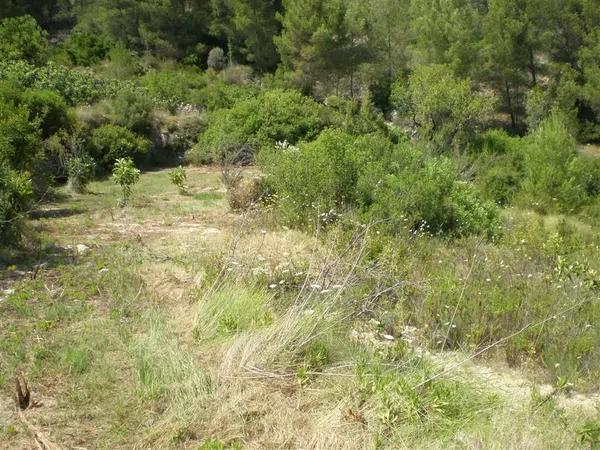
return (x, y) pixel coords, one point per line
(318, 44)
(446, 110)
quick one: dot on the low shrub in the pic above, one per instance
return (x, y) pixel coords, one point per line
(178, 177)
(80, 171)
(110, 142)
(236, 134)
(548, 155)
(15, 195)
(125, 174)
(245, 193)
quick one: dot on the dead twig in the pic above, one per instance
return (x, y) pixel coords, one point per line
(24, 402)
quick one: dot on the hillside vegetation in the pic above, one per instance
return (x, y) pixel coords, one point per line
(300, 224)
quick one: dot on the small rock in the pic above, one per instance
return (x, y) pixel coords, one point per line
(8, 291)
(105, 270)
(82, 249)
(388, 337)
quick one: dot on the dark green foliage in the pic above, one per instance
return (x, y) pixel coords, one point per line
(15, 196)
(85, 49)
(22, 38)
(236, 134)
(111, 142)
(49, 109)
(425, 195)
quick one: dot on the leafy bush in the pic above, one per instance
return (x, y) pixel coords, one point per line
(125, 174)
(132, 109)
(178, 177)
(49, 109)
(396, 185)
(318, 178)
(425, 195)
(85, 49)
(238, 133)
(171, 87)
(111, 142)
(549, 153)
(15, 195)
(20, 143)
(22, 38)
(217, 94)
(80, 170)
(445, 109)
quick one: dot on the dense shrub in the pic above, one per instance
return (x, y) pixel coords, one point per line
(314, 179)
(238, 133)
(85, 49)
(15, 195)
(395, 185)
(111, 142)
(22, 38)
(20, 143)
(445, 109)
(132, 109)
(549, 152)
(49, 109)
(425, 195)
(171, 87)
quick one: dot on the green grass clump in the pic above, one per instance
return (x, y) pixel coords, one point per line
(232, 310)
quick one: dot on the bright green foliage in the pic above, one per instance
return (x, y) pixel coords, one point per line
(132, 109)
(22, 38)
(74, 85)
(236, 134)
(111, 142)
(80, 170)
(446, 110)
(15, 196)
(20, 143)
(319, 181)
(425, 195)
(316, 181)
(549, 154)
(171, 87)
(230, 311)
(125, 174)
(49, 109)
(178, 177)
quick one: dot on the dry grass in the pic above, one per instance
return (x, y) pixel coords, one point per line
(115, 358)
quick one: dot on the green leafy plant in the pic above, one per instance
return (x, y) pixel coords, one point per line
(178, 177)
(125, 174)
(110, 142)
(80, 170)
